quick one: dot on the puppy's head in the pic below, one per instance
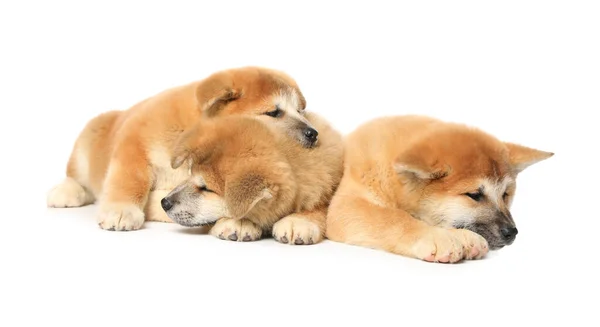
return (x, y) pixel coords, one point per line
(272, 95)
(463, 178)
(236, 169)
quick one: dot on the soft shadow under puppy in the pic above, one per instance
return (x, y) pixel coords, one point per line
(202, 230)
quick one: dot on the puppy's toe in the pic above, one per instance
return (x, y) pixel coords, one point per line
(297, 230)
(476, 247)
(237, 230)
(439, 245)
(120, 217)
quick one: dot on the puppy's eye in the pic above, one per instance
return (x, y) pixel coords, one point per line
(478, 196)
(203, 188)
(275, 113)
(505, 195)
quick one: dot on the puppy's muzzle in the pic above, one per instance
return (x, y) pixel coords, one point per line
(311, 135)
(509, 234)
(166, 204)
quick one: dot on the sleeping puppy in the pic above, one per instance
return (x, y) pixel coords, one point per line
(427, 189)
(122, 158)
(253, 181)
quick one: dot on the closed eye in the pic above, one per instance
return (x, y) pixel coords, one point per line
(275, 113)
(203, 188)
(477, 196)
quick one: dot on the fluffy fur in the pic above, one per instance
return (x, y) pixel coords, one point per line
(252, 180)
(427, 189)
(123, 158)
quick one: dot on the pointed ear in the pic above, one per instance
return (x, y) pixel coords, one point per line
(521, 157)
(196, 143)
(243, 192)
(215, 92)
(418, 166)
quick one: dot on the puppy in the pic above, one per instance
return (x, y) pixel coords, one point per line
(253, 181)
(427, 189)
(122, 158)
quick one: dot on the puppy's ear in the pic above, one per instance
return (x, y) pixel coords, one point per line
(197, 144)
(301, 99)
(244, 191)
(416, 165)
(215, 92)
(521, 157)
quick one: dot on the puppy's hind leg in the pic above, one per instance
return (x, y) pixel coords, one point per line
(85, 175)
(306, 227)
(70, 193)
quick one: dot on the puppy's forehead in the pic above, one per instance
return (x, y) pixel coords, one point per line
(202, 174)
(286, 97)
(199, 179)
(496, 185)
(477, 162)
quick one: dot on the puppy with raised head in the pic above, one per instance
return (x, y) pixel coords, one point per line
(122, 158)
(427, 189)
(253, 180)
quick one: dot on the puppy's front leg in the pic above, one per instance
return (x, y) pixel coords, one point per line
(306, 227)
(237, 230)
(126, 188)
(356, 221)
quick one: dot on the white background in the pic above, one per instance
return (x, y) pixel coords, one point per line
(528, 72)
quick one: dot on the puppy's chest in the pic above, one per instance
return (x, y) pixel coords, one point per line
(165, 177)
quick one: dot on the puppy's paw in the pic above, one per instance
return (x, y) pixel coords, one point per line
(476, 247)
(240, 230)
(68, 194)
(120, 217)
(297, 230)
(449, 245)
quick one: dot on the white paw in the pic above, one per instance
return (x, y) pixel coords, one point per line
(450, 245)
(297, 230)
(68, 194)
(237, 230)
(120, 217)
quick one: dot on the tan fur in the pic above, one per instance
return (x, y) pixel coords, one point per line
(267, 182)
(122, 157)
(405, 184)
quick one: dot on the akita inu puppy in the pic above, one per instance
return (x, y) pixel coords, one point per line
(122, 158)
(427, 189)
(253, 180)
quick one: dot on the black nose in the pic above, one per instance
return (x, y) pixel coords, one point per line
(166, 204)
(311, 134)
(509, 233)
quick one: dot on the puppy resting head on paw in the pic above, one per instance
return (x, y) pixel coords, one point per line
(464, 178)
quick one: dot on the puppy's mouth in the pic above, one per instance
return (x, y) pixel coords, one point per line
(307, 136)
(309, 144)
(490, 233)
(193, 224)
(187, 219)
